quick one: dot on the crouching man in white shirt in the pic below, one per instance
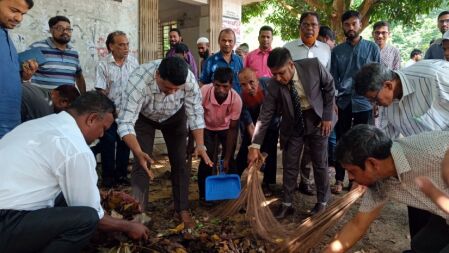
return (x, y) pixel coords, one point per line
(44, 158)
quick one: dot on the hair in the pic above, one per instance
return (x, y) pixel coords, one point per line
(278, 57)
(309, 13)
(266, 28)
(54, 20)
(224, 75)
(360, 143)
(379, 24)
(173, 69)
(244, 47)
(349, 14)
(92, 102)
(175, 30)
(371, 78)
(415, 52)
(226, 30)
(326, 31)
(30, 3)
(111, 37)
(68, 92)
(442, 14)
(181, 48)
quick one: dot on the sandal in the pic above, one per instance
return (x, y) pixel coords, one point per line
(337, 188)
(189, 224)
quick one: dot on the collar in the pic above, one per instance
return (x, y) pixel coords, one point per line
(301, 43)
(295, 78)
(258, 51)
(349, 43)
(154, 88)
(233, 56)
(110, 59)
(407, 88)
(400, 161)
(50, 42)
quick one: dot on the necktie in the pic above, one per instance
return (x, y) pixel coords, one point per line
(299, 120)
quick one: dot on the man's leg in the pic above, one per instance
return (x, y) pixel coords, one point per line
(290, 159)
(270, 146)
(174, 131)
(242, 155)
(59, 229)
(107, 146)
(203, 169)
(318, 150)
(140, 181)
(121, 159)
(433, 237)
(343, 125)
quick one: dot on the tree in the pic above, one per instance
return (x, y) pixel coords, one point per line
(284, 14)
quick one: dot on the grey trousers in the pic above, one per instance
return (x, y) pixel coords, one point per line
(174, 131)
(317, 149)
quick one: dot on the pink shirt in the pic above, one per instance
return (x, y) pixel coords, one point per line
(257, 60)
(218, 117)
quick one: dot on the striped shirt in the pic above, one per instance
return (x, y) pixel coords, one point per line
(418, 155)
(424, 105)
(390, 57)
(113, 78)
(143, 96)
(61, 66)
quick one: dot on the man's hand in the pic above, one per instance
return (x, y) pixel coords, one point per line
(225, 165)
(253, 155)
(137, 231)
(440, 198)
(200, 150)
(375, 111)
(326, 127)
(29, 68)
(144, 159)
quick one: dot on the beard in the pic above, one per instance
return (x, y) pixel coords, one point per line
(62, 39)
(350, 35)
(204, 54)
(253, 101)
(309, 41)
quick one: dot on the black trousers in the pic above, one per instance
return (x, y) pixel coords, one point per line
(174, 131)
(269, 146)
(433, 237)
(48, 230)
(212, 141)
(346, 120)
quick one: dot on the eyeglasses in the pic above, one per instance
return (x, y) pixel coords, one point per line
(377, 33)
(443, 21)
(62, 29)
(307, 25)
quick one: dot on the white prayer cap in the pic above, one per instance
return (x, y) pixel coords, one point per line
(202, 40)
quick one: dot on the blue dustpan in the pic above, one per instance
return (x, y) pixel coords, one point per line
(222, 186)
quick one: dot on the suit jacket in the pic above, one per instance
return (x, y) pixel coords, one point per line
(320, 91)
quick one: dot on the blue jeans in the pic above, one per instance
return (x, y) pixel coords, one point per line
(114, 160)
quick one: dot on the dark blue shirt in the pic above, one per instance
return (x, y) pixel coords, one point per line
(346, 61)
(10, 84)
(435, 51)
(217, 61)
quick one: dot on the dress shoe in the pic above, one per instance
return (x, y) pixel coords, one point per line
(284, 211)
(318, 208)
(306, 189)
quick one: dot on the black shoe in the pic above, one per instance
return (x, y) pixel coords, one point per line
(267, 192)
(284, 211)
(306, 189)
(318, 208)
(108, 182)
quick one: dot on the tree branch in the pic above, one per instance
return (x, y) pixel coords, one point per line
(318, 5)
(290, 8)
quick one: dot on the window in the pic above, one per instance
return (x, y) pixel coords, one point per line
(165, 27)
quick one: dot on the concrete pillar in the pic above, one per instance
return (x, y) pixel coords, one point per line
(149, 45)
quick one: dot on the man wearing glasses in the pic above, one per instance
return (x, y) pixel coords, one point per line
(435, 51)
(415, 100)
(389, 55)
(62, 64)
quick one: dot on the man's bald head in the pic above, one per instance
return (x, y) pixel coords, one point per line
(249, 81)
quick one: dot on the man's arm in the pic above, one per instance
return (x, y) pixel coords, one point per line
(328, 92)
(143, 158)
(231, 139)
(134, 230)
(80, 82)
(200, 148)
(352, 231)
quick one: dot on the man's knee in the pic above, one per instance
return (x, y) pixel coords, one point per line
(89, 218)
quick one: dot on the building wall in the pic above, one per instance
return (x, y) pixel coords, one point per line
(92, 21)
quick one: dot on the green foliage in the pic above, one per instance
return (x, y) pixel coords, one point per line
(403, 12)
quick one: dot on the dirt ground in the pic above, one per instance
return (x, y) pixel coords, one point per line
(389, 233)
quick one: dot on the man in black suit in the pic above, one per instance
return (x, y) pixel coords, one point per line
(303, 93)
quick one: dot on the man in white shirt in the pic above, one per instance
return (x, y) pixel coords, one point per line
(112, 76)
(415, 56)
(50, 157)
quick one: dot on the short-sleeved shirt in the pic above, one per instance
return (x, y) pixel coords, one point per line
(143, 96)
(435, 50)
(319, 50)
(113, 78)
(190, 60)
(61, 66)
(42, 158)
(417, 155)
(36, 103)
(10, 84)
(346, 61)
(217, 61)
(257, 61)
(219, 116)
(390, 57)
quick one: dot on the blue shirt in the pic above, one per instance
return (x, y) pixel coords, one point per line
(62, 66)
(217, 61)
(346, 61)
(10, 84)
